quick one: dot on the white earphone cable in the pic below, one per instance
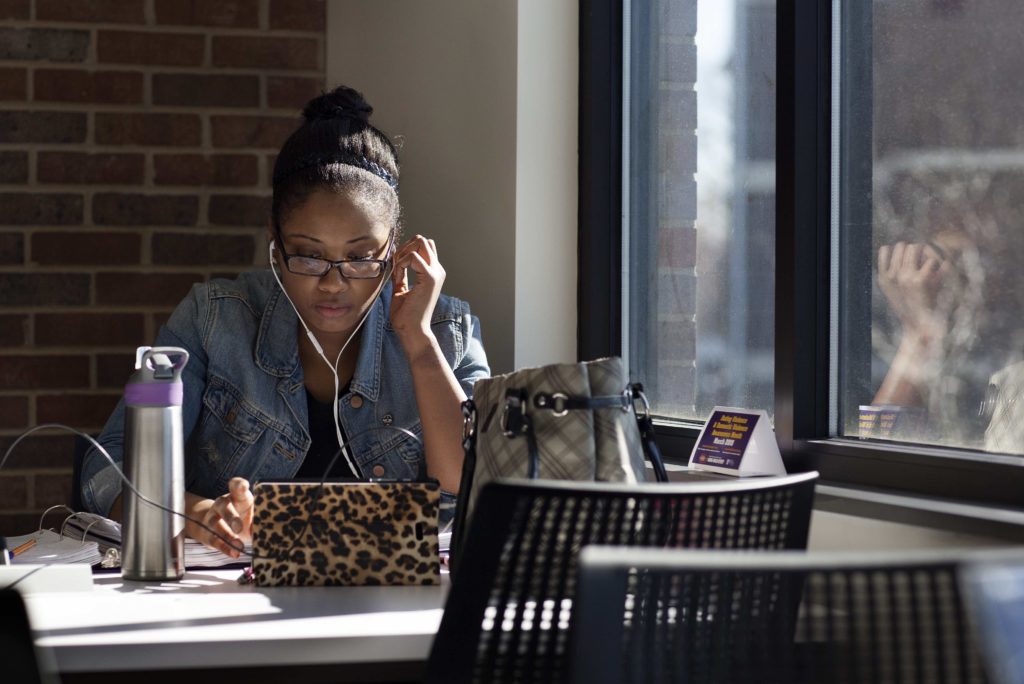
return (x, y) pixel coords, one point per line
(320, 351)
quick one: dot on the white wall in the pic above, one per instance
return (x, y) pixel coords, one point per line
(839, 532)
(489, 153)
(547, 181)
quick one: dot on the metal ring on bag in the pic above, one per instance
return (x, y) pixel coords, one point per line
(639, 394)
(468, 421)
(557, 398)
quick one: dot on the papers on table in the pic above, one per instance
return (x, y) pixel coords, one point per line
(50, 547)
(86, 538)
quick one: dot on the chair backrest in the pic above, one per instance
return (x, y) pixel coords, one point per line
(995, 592)
(711, 616)
(20, 660)
(508, 614)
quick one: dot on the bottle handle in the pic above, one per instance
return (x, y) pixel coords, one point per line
(159, 360)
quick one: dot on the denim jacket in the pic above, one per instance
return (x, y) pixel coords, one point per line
(244, 410)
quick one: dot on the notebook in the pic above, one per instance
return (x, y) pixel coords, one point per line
(348, 533)
(87, 537)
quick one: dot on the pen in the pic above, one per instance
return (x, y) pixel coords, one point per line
(21, 548)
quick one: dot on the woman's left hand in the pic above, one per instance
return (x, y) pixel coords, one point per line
(412, 307)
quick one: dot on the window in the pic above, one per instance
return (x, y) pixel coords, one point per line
(929, 224)
(893, 121)
(699, 194)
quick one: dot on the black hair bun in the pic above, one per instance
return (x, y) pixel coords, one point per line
(341, 103)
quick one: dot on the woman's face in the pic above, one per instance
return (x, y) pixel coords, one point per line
(330, 225)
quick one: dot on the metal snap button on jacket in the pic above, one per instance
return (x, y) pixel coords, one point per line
(378, 470)
(356, 402)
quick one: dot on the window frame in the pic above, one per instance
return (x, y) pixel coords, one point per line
(804, 249)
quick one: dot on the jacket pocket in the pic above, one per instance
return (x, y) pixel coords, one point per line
(227, 436)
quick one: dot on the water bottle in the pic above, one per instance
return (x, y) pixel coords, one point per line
(154, 462)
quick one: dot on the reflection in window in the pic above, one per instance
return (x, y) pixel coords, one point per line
(931, 223)
(700, 180)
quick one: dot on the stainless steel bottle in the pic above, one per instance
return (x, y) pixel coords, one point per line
(154, 462)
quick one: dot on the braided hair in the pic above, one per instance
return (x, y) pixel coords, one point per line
(337, 149)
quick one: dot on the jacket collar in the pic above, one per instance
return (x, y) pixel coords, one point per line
(277, 349)
(366, 377)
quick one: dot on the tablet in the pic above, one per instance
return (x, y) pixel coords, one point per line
(359, 533)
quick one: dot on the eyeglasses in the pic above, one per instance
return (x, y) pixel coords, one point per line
(355, 269)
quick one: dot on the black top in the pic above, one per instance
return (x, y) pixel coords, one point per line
(324, 443)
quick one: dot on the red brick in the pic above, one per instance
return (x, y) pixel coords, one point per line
(13, 413)
(252, 131)
(239, 210)
(112, 370)
(159, 319)
(52, 45)
(197, 169)
(148, 289)
(84, 411)
(42, 127)
(43, 449)
(44, 289)
(13, 167)
(82, 167)
(287, 92)
(227, 13)
(13, 330)
(76, 85)
(190, 249)
(116, 209)
(148, 129)
(13, 493)
(79, 248)
(677, 247)
(12, 248)
(269, 52)
(14, 9)
(39, 209)
(13, 524)
(136, 47)
(681, 337)
(206, 90)
(23, 372)
(13, 84)
(106, 11)
(89, 329)
(298, 15)
(51, 489)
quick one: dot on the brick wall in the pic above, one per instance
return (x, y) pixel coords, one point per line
(137, 139)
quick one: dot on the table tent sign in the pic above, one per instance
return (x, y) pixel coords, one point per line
(738, 442)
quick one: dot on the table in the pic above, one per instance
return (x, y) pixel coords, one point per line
(208, 627)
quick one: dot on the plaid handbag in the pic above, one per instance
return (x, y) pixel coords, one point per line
(567, 421)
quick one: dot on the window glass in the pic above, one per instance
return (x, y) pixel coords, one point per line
(930, 222)
(699, 191)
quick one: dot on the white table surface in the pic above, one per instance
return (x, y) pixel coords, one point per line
(208, 620)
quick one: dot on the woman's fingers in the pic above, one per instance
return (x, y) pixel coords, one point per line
(218, 526)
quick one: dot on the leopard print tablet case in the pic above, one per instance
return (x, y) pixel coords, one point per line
(360, 533)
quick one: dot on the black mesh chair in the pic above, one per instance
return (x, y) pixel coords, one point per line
(509, 611)
(711, 616)
(21, 661)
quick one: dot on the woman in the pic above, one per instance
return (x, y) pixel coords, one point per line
(330, 346)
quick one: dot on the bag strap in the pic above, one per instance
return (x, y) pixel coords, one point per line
(646, 425)
(465, 484)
